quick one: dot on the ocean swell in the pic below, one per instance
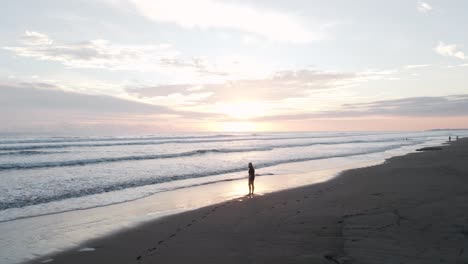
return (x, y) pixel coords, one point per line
(72, 193)
(82, 162)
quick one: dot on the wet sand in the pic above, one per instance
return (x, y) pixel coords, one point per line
(411, 209)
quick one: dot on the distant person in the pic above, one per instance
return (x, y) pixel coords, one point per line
(251, 178)
(457, 138)
(450, 139)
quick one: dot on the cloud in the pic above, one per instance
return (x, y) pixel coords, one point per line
(30, 96)
(457, 66)
(102, 54)
(210, 14)
(282, 92)
(97, 53)
(200, 64)
(444, 106)
(36, 38)
(39, 106)
(417, 66)
(423, 7)
(280, 85)
(449, 50)
(456, 105)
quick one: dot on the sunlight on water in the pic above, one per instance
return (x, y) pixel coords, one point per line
(45, 176)
(42, 175)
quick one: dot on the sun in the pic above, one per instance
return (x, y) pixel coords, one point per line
(238, 127)
(239, 116)
(242, 110)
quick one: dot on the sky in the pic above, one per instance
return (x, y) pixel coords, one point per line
(151, 66)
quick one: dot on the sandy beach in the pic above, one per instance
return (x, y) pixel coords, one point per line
(411, 209)
(127, 128)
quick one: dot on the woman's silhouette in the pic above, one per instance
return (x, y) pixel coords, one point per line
(251, 179)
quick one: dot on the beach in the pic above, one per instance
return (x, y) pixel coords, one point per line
(132, 131)
(411, 209)
(60, 192)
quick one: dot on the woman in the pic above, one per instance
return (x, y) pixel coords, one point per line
(251, 178)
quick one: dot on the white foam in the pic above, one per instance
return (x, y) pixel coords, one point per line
(86, 249)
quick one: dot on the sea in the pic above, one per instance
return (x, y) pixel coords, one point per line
(49, 175)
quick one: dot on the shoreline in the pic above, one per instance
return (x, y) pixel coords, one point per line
(39, 210)
(64, 231)
(169, 186)
(322, 222)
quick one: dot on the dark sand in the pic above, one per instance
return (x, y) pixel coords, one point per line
(412, 209)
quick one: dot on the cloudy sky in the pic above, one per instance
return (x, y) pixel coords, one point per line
(146, 66)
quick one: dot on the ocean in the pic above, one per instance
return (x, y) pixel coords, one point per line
(49, 175)
(43, 175)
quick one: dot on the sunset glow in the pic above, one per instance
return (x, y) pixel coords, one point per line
(243, 110)
(158, 131)
(159, 66)
(238, 127)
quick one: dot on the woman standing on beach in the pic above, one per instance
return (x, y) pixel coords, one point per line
(251, 178)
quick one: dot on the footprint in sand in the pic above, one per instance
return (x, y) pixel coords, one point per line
(331, 258)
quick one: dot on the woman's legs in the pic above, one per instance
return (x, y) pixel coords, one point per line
(251, 187)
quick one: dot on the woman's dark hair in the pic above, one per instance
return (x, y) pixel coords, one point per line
(250, 165)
